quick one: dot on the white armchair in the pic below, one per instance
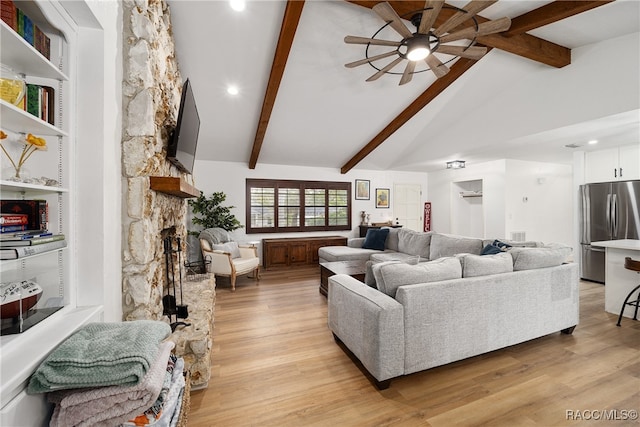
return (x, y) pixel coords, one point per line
(228, 259)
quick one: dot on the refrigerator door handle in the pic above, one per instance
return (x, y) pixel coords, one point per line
(596, 249)
(608, 215)
(614, 215)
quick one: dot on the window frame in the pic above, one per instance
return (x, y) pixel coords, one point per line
(302, 186)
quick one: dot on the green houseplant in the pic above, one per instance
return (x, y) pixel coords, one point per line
(208, 212)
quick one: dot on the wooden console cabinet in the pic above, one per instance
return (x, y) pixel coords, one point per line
(291, 251)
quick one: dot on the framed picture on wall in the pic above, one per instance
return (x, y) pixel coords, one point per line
(362, 189)
(382, 197)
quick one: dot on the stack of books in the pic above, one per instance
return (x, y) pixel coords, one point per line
(18, 245)
(25, 27)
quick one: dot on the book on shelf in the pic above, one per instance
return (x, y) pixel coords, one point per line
(40, 102)
(13, 219)
(9, 14)
(23, 251)
(11, 229)
(25, 27)
(30, 240)
(36, 210)
(24, 234)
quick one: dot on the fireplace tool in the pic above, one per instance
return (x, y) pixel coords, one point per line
(170, 308)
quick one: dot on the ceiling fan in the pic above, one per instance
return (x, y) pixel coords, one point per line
(423, 44)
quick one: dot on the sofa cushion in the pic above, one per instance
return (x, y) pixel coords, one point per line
(446, 245)
(393, 274)
(375, 239)
(344, 253)
(414, 243)
(231, 247)
(396, 256)
(392, 239)
(547, 256)
(483, 265)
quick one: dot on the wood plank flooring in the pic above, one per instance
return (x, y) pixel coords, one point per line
(275, 363)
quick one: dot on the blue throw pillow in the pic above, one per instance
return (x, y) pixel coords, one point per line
(495, 248)
(375, 239)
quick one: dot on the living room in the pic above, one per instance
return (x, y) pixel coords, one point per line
(517, 191)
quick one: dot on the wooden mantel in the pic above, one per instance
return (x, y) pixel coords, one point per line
(174, 186)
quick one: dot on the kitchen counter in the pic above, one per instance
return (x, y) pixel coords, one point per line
(618, 280)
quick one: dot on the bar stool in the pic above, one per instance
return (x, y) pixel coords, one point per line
(633, 265)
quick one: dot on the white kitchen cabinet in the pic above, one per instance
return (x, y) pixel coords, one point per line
(613, 164)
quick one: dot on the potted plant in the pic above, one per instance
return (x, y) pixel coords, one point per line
(208, 212)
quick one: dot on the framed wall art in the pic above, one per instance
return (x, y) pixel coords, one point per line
(362, 189)
(382, 197)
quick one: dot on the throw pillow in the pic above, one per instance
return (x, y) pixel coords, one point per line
(477, 265)
(530, 258)
(392, 239)
(414, 242)
(231, 247)
(446, 245)
(375, 239)
(495, 247)
(390, 276)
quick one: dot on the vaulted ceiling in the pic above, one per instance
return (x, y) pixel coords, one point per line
(564, 73)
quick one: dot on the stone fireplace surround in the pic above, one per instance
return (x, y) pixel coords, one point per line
(151, 95)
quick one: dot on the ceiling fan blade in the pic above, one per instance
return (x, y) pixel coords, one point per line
(486, 28)
(408, 72)
(364, 40)
(438, 68)
(431, 11)
(473, 52)
(468, 12)
(389, 66)
(388, 14)
(371, 58)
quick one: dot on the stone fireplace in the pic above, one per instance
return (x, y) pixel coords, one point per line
(151, 95)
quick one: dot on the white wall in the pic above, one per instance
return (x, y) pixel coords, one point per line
(539, 201)
(441, 190)
(230, 178)
(546, 216)
(98, 154)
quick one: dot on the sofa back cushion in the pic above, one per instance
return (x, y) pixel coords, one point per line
(483, 265)
(414, 242)
(548, 256)
(391, 275)
(446, 245)
(392, 238)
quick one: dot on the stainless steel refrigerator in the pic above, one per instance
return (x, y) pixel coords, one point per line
(608, 211)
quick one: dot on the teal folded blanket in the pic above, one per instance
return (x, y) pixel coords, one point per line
(101, 354)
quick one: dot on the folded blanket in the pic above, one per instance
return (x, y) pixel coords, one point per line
(110, 406)
(101, 354)
(164, 410)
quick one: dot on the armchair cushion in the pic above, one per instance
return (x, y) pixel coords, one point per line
(231, 247)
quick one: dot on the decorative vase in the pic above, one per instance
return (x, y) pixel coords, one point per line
(21, 174)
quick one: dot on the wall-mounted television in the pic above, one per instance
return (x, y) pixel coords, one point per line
(183, 140)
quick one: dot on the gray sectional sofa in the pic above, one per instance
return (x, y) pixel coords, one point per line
(413, 314)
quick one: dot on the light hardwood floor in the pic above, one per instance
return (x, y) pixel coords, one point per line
(275, 363)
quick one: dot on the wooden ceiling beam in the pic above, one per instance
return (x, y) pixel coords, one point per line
(548, 14)
(288, 29)
(436, 88)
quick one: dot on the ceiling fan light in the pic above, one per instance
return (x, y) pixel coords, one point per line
(418, 53)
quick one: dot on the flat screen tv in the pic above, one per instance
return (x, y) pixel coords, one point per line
(184, 138)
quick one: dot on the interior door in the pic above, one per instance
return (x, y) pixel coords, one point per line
(407, 205)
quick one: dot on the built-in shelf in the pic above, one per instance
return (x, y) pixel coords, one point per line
(174, 186)
(465, 194)
(31, 189)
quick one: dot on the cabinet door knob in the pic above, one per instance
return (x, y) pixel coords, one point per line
(620, 172)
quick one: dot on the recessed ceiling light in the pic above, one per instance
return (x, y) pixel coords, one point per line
(237, 5)
(593, 141)
(233, 90)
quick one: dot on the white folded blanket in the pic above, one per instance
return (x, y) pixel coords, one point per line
(109, 406)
